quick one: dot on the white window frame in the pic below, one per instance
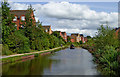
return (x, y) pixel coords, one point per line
(15, 25)
(15, 18)
(46, 30)
(23, 18)
(22, 26)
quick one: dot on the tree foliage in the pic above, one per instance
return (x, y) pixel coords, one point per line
(106, 36)
(30, 37)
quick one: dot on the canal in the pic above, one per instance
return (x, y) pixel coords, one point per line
(76, 61)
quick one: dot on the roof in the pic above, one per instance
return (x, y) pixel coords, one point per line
(63, 33)
(48, 26)
(19, 12)
(75, 34)
(57, 31)
(81, 34)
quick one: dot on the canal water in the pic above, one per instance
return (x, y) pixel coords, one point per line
(76, 61)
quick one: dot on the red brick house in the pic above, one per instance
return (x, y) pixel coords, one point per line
(85, 39)
(19, 18)
(68, 38)
(59, 33)
(64, 36)
(82, 38)
(117, 31)
(47, 29)
(75, 37)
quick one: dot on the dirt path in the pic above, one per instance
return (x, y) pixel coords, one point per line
(1, 57)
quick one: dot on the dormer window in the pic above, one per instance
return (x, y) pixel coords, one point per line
(15, 19)
(23, 18)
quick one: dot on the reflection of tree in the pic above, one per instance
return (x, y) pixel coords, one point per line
(30, 67)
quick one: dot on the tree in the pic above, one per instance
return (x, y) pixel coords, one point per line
(7, 25)
(88, 37)
(68, 39)
(106, 36)
(55, 33)
(18, 43)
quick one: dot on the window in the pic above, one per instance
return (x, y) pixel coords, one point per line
(15, 19)
(22, 26)
(15, 25)
(23, 18)
(46, 30)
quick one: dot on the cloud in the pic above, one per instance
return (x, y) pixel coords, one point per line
(65, 0)
(70, 17)
(18, 6)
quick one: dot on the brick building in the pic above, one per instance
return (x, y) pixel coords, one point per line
(69, 39)
(85, 39)
(64, 36)
(117, 31)
(75, 37)
(59, 33)
(19, 17)
(82, 38)
(47, 29)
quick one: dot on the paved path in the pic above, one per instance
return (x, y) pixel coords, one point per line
(1, 57)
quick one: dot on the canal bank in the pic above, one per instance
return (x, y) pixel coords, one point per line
(104, 60)
(67, 61)
(18, 57)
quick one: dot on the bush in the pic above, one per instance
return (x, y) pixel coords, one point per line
(105, 37)
(5, 50)
(56, 42)
(18, 43)
(108, 59)
(45, 43)
(51, 41)
(106, 53)
(81, 42)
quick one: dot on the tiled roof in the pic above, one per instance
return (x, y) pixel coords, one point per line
(63, 33)
(57, 31)
(75, 34)
(48, 26)
(81, 34)
(19, 12)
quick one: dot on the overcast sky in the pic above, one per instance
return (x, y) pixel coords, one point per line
(73, 17)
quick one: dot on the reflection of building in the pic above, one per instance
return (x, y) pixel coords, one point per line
(19, 17)
(47, 29)
(75, 37)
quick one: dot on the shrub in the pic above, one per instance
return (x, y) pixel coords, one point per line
(5, 50)
(108, 59)
(18, 43)
(105, 36)
(81, 42)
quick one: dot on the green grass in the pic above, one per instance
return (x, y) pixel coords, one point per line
(16, 58)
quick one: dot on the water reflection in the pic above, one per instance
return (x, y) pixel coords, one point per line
(65, 62)
(29, 67)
